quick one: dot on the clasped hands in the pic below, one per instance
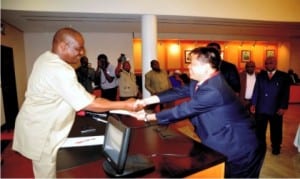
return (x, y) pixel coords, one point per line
(138, 111)
(140, 114)
(139, 104)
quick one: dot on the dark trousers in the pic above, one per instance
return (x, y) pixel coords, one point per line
(275, 129)
(110, 94)
(250, 169)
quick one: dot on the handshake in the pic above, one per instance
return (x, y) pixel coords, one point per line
(137, 108)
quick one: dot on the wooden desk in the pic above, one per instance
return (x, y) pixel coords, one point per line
(192, 159)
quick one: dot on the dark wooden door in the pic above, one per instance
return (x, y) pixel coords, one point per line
(8, 84)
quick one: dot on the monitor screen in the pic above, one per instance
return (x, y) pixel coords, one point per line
(116, 143)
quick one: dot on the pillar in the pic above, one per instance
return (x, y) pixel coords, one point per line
(149, 43)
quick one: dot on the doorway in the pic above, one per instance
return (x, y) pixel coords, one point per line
(8, 86)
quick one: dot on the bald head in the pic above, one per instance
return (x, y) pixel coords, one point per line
(68, 44)
(270, 64)
(65, 35)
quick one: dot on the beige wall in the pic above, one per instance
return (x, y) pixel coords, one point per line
(112, 44)
(267, 10)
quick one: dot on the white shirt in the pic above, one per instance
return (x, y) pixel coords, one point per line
(106, 84)
(52, 97)
(250, 82)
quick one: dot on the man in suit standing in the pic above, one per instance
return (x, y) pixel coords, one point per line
(270, 101)
(247, 80)
(228, 70)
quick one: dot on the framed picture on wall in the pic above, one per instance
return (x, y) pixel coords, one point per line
(187, 56)
(270, 53)
(245, 55)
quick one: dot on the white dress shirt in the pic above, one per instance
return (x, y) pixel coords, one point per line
(250, 82)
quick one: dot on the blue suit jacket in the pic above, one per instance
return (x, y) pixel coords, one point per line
(219, 118)
(270, 95)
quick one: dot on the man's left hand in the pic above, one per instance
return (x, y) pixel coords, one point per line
(280, 112)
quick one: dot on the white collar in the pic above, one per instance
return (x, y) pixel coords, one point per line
(273, 72)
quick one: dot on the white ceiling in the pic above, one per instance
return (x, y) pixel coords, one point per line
(119, 23)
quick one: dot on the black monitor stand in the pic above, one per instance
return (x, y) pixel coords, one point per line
(136, 165)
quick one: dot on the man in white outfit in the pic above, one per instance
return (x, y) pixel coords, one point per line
(53, 96)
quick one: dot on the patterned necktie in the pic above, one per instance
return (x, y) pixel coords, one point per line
(270, 74)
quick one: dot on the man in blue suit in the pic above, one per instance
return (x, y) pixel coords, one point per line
(219, 118)
(270, 101)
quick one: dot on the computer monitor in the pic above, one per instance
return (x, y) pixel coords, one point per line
(115, 150)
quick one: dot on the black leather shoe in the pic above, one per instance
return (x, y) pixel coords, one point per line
(276, 151)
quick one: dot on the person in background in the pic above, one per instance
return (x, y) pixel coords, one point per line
(248, 78)
(52, 97)
(120, 60)
(185, 78)
(293, 77)
(85, 74)
(127, 82)
(156, 81)
(175, 79)
(106, 78)
(228, 70)
(269, 102)
(219, 119)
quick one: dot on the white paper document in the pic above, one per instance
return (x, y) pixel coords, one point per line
(124, 112)
(83, 141)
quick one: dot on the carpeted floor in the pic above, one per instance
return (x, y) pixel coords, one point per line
(11, 159)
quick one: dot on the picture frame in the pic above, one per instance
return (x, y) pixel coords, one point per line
(245, 55)
(270, 53)
(187, 56)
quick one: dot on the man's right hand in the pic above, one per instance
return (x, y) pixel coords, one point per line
(134, 105)
(139, 103)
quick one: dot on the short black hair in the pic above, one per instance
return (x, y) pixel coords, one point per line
(83, 59)
(102, 57)
(152, 62)
(208, 55)
(214, 44)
